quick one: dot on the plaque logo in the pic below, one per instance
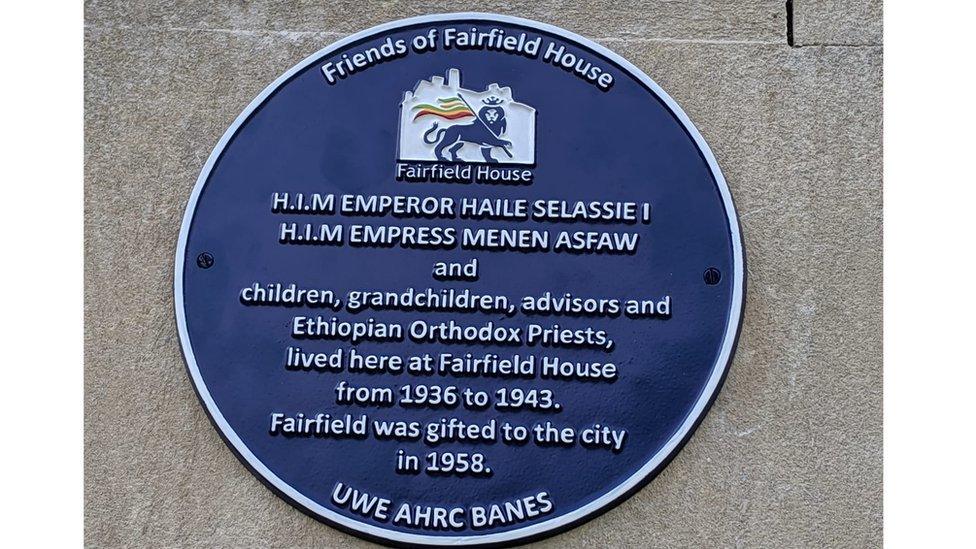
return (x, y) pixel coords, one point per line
(443, 122)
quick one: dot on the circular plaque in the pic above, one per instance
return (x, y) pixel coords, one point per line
(461, 279)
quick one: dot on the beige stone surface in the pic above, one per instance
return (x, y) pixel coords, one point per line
(753, 20)
(789, 456)
(837, 22)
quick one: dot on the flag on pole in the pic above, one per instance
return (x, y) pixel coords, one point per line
(451, 108)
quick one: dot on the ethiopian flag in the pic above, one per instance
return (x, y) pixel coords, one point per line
(450, 108)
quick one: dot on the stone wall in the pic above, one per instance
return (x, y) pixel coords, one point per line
(788, 96)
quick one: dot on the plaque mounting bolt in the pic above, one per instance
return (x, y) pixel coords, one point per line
(205, 260)
(712, 276)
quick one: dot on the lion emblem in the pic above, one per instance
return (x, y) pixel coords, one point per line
(484, 131)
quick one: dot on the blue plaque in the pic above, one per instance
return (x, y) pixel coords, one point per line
(459, 280)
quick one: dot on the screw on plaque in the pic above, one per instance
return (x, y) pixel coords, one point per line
(205, 260)
(712, 276)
